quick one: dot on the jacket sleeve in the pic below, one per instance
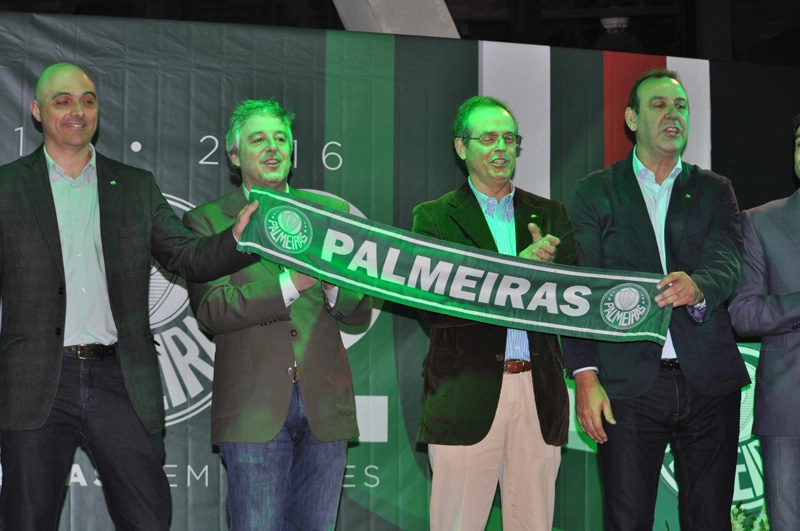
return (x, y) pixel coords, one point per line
(248, 298)
(180, 251)
(587, 226)
(720, 269)
(753, 309)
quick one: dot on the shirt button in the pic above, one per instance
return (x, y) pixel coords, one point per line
(293, 333)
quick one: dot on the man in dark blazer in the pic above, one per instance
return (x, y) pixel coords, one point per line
(494, 402)
(653, 212)
(77, 360)
(284, 405)
(767, 304)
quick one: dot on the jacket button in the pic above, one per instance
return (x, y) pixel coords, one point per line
(290, 370)
(61, 290)
(294, 333)
(58, 331)
(500, 357)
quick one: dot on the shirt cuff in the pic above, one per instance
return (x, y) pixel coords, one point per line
(584, 369)
(698, 311)
(330, 295)
(288, 289)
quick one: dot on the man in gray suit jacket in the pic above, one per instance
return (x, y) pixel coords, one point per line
(77, 360)
(284, 405)
(767, 304)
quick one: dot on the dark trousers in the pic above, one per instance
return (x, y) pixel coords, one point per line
(91, 408)
(703, 433)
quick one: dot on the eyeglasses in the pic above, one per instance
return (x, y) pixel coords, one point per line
(490, 139)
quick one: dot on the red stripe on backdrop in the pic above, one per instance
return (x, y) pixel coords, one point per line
(620, 70)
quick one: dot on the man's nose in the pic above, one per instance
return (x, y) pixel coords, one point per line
(77, 108)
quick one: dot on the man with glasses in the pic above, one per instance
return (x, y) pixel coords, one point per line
(494, 404)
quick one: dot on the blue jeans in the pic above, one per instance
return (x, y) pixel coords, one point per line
(91, 408)
(292, 482)
(703, 432)
(781, 457)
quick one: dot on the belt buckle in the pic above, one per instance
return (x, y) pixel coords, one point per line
(78, 349)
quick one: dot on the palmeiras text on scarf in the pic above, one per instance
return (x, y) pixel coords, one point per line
(448, 278)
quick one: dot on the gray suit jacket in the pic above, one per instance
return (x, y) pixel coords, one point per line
(136, 222)
(767, 304)
(259, 340)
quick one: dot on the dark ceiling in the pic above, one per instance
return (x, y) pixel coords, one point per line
(757, 31)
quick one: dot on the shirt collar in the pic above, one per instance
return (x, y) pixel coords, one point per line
(489, 204)
(644, 174)
(56, 172)
(247, 192)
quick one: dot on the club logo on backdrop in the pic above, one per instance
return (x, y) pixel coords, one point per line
(624, 306)
(749, 482)
(288, 229)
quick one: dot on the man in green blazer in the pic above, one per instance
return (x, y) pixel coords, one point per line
(78, 364)
(283, 406)
(494, 402)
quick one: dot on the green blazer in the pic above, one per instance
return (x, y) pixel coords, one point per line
(259, 340)
(464, 365)
(136, 223)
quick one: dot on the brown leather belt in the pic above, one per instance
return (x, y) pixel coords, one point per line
(296, 374)
(93, 351)
(517, 366)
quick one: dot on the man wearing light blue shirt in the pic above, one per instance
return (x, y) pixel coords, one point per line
(494, 405)
(652, 212)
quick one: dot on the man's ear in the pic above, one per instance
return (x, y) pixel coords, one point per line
(36, 111)
(460, 148)
(630, 119)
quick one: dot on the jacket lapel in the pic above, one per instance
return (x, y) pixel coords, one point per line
(466, 213)
(678, 211)
(527, 211)
(791, 218)
(633, 208)
(110, 191)
(41, 198)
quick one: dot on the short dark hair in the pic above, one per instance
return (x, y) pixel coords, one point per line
(461, 123)
(653, 73)
(243, 112)
(795, 125)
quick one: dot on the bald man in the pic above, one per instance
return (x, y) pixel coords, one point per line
(78, 364)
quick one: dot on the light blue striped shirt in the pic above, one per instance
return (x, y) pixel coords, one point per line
(89, 318)
(500, 218)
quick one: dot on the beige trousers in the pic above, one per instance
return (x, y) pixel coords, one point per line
(513, 452)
